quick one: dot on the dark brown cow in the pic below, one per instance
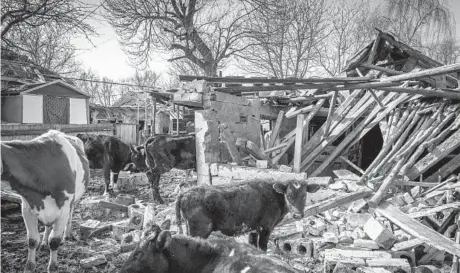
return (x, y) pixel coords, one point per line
(234, 209)
(50, 172)
(162, 153)
(110, 154)
(162, 253)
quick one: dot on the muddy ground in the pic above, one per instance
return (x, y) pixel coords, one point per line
(14, 237)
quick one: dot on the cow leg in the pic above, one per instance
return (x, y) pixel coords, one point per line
(264, 235)
(55, 239)
(252, 239)
(46, 235)
(31, 222)
(114, 178)
(154, 180)
(68, 229)
(106, 178)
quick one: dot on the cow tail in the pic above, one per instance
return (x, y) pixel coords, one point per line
(178, 214)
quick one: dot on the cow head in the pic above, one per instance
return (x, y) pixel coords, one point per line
(295, 194)
(137, 160)
(149, 255)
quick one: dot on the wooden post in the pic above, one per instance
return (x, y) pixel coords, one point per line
(330, 113)
(154, 115)
(178, 119)
(298, 142)
(276, 130)
(370, 59)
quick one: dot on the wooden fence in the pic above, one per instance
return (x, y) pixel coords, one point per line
(126, 132)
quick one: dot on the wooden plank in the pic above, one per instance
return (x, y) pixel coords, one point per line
(383, 69)
(306, 109)
(298, 142)
(424, 73)
(271, 80)
(276, 129)
(417, 229)
(330, 113)
(406, 245)
(415, 184)
(424, 92)
(351, 164)
(440, 152)
(431, 211)
(345, 174)
(446, 170)
(336, 202)
(370, 58)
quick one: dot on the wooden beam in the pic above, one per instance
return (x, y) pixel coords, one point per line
(272, 80)
(424, 92)
(300, 111)
(330, 113)
(431, 211)
(335, 202)
(372, 91)
(370, 58)
(406, 245)
(440, 152)
(424, 73)
(382, 69)
(276, 129)
(447, 169)
(344, 159)
(417, 229)
(298, 142)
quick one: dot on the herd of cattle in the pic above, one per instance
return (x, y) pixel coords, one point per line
(51, 173)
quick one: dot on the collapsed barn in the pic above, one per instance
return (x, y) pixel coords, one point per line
(389, 131)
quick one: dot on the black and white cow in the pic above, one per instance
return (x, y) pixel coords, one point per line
(50, 173)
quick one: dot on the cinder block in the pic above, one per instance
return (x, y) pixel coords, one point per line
(407, 198)
(285, 168)
(381, 235)
(357, 206)
(315, 226)
(367, 244)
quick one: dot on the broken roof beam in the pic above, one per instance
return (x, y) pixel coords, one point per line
(417, 229)
(424, 92)
(375, 44)
(424, 73)
(446, 170)
(271, 80)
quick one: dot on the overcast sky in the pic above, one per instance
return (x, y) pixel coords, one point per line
(106, 58)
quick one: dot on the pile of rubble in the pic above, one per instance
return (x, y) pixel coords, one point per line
(408, 232)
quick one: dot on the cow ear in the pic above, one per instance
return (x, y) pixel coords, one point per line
(279, 188)
(142, 151)
(312, 188)
(163, 240)
(166, 225)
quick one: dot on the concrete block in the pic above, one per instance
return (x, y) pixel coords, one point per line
(315, 226)
(124, 199)
(367, 244)
(339, 185)
(303, 247)
(284, 168)
(381, 235)
(87, 227)
(357, 206)
(390, 264)
(93, 261)
(330, 237)
(357, 220)
(359, 234)
(342, 268)
(262, 164)
(408, 198)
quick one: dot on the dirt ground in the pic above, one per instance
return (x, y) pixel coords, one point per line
(14, 236)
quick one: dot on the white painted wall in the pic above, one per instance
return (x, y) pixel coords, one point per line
(78, 111)
(32, 109)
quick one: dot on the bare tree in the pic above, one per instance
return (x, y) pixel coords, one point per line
(446, 51)
(416, 22)
(17, 15)
(48, 47)
(283, 35)
(347, 34)
(102, 90)
(205, 32)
